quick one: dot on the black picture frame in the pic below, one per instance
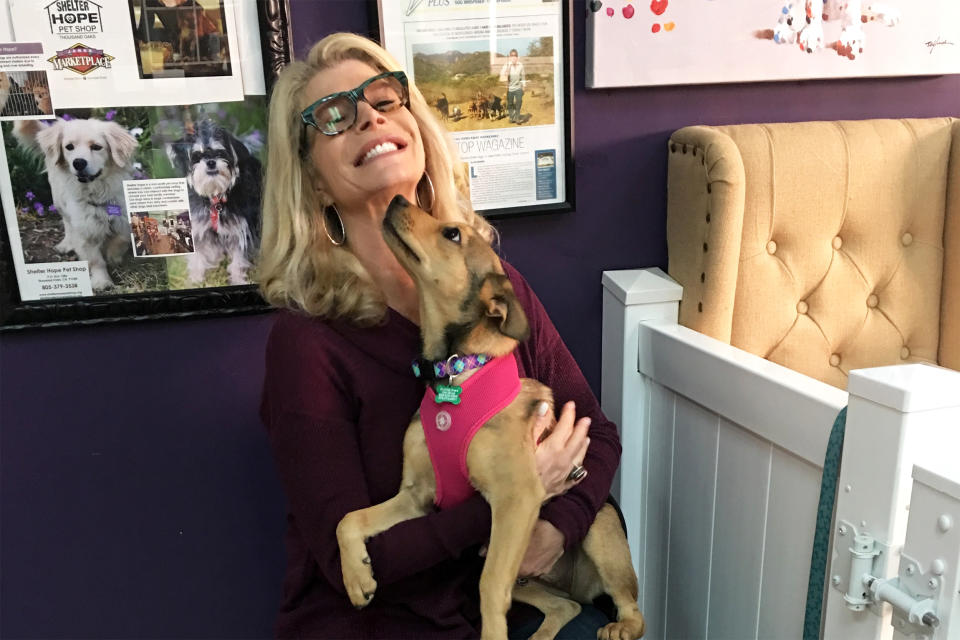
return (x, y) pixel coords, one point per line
(16, 314)
(569, 175)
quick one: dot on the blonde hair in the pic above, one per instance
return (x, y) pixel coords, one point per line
(299, 268)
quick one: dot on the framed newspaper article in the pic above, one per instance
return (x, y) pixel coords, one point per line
(498, 73)
(133, 139)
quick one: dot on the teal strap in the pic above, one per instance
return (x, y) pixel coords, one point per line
(821, 537)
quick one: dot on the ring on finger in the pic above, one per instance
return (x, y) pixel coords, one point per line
(577, 473)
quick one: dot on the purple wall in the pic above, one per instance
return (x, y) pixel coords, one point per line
(137, 492)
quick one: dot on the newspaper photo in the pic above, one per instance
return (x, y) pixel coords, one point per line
(494, 73)
(24, 82)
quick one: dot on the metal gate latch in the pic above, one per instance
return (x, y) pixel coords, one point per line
(910, 603)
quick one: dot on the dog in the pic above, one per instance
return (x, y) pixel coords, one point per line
(16, 99)
(41, 95)
(801, 22)
(224, 185)
(468, 307)
(496, 107)
(443, 107)
(187, 39)
(6, 86)
(87, 161)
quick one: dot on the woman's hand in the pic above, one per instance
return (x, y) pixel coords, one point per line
(562, 450)
(545, 548)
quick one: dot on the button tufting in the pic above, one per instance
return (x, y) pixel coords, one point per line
(837, 243)
(872, 301)
(771, 247)
(802, 307)
(904, 353)
(907, 239)
(834, 360)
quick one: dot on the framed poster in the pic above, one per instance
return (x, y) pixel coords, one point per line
(664, 42)
(499, 76)
(133, 137)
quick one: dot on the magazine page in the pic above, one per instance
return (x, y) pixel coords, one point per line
(494, 73)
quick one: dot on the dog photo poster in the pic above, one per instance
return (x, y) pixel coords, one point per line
(664, 42)
(120, 200)
(132, 141)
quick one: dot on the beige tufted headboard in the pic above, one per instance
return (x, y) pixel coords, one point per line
(822, 246)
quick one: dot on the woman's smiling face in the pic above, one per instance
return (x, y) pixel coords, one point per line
(379, 156)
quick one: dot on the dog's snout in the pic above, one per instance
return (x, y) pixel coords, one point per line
(211, 163)
(398, 204)
(79, 164)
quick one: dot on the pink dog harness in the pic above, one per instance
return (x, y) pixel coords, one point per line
(450, 428)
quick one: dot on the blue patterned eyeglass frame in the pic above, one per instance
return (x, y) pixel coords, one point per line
(355, 96)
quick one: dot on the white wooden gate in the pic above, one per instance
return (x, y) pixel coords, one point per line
(722, 460)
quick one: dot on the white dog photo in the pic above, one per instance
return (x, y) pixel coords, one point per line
(87, 161)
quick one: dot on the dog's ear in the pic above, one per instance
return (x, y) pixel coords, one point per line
(179, 154)
(240, 150)
(502, 306)
(49, 140)
(122, 144)
(171, 149)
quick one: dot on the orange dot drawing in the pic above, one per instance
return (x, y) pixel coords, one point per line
(669, 26)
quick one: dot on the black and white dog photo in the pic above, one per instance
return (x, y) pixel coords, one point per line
(224, 184)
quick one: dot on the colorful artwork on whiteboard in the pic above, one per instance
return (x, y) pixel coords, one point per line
(662, 42)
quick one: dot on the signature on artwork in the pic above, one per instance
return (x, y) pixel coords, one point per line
(939, 42)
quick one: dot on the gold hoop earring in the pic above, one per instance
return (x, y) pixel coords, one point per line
(433, 194)
(341, 232)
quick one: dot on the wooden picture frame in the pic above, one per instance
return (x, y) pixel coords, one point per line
(15, 313)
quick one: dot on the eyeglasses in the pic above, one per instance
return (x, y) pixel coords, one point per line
(337, 112)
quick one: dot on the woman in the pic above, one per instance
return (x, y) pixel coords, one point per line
(339, 391)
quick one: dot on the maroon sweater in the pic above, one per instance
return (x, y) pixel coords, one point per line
(337, 400)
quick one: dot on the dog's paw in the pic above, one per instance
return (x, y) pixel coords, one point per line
(358, 580)
(100, 282)
(238, 276)
(851, 41)
(811, 37)
(789, 24)
(626, 629)
(355, 562)
(196, 275)
(885, 14)
(63, 246)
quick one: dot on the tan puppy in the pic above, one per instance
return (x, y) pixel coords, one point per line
(467, 306)
(41, 95)
(5, 86)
